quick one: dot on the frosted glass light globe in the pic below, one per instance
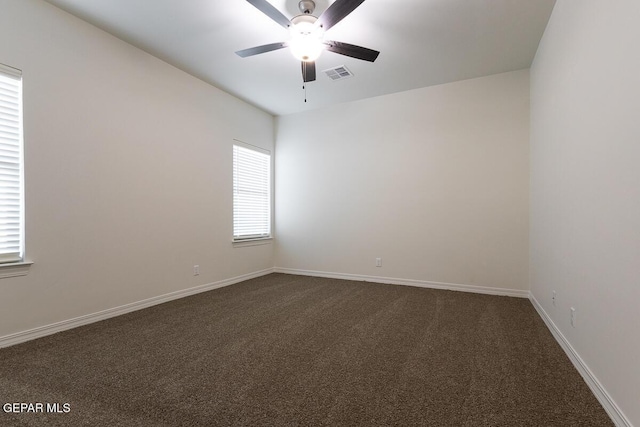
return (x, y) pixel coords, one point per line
(306, 41)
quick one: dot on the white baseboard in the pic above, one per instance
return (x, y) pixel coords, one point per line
(53, 328)
(408, 282)
(607, 402)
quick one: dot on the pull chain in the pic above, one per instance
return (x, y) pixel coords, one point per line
(304, 79)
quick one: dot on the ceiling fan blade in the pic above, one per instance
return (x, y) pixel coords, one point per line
(336, 12)
(352, 50)
(265, 7)
(308, 71)
(261, 49)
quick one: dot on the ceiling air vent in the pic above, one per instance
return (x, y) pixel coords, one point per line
(338, 73)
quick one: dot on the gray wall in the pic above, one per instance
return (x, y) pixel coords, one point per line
(128, 172)
(434, 181)
(585, 187)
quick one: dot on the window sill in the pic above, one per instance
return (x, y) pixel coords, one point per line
(15, 269)
(252, 242)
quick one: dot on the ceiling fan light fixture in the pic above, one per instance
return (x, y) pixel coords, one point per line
(306, 40)
(307, 34)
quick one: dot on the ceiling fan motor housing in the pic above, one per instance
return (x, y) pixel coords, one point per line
(306, 6)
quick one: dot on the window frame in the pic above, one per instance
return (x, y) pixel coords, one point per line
(252, 239)
(17, 262)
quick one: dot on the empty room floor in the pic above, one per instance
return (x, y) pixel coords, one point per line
(287, 350)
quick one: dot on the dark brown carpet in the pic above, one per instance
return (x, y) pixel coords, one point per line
(286, 350)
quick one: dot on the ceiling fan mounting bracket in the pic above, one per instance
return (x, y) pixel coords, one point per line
(307, 6)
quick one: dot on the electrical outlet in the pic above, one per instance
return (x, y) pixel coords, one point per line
(553, 298)
(196, 270)
(573, 317)
(378, 262)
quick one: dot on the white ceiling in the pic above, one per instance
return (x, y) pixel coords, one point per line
(422, 43)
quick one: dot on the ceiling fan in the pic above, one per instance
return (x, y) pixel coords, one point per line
(307, 34)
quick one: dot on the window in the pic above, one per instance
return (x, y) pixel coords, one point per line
(11, 181)
(251, 192)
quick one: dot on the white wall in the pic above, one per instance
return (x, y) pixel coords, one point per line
(128, 171)
(434, 181)
(585, 187)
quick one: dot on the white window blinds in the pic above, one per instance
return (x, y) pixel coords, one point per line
(11, 212)
(251, 193)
